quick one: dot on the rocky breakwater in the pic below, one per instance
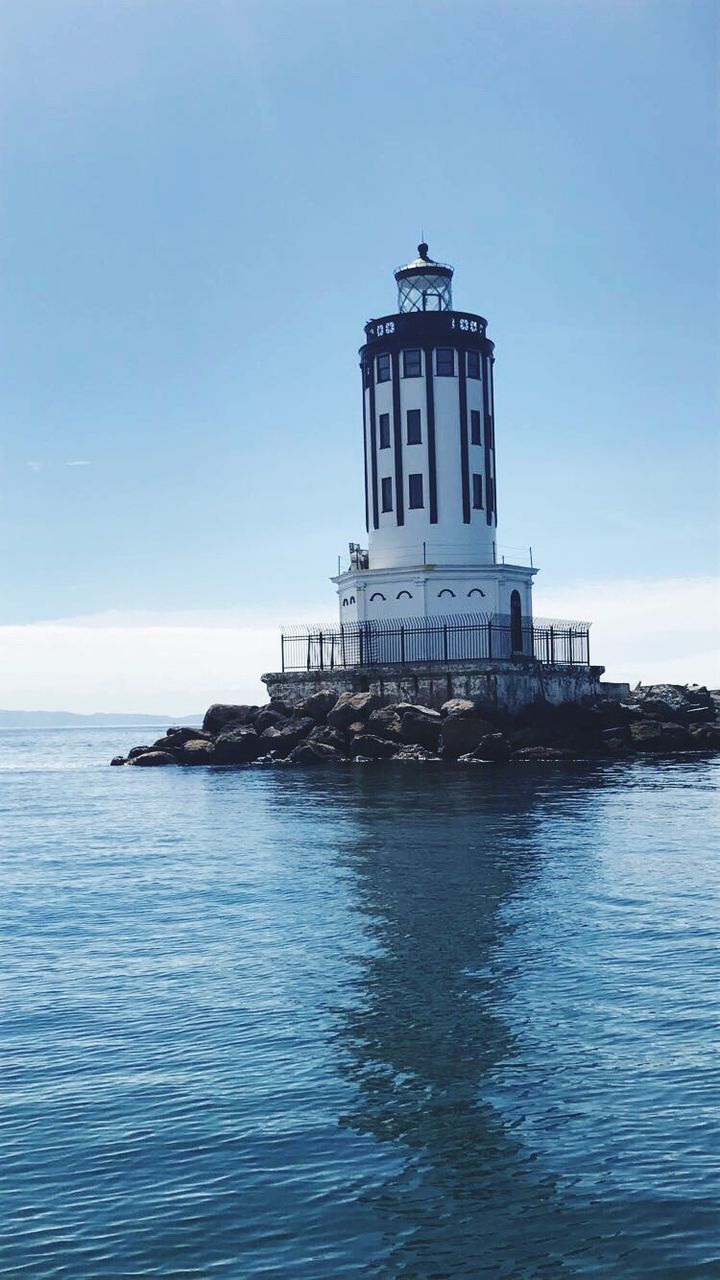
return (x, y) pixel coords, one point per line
(326, 728)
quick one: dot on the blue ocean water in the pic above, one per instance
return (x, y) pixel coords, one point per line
(375, 1021)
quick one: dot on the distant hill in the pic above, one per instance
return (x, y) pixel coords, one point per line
(70, 719)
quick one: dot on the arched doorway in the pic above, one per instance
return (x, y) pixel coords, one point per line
(516, 627)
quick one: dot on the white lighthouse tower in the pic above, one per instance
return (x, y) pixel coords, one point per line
(430, 473)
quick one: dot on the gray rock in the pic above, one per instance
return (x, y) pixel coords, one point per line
(118, 760)
(462, 734)
(318, 704)
(420, 726)
(414, 754)
(656, 735)
(366, 744)
(385, 723)
(351, 707)
(528, 755)
(238, 744)
(221, 714)
(198, 751)
(329, 737)
(138, 751)
(182, 733)
(315, 753)
(282, 738)
(153, 759)
(269, 718)
(457, 707)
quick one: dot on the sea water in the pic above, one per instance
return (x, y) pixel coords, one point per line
(386, 1021)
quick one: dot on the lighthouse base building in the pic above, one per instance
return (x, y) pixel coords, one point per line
(429, 609)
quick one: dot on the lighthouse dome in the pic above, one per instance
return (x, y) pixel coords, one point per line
(424, 285)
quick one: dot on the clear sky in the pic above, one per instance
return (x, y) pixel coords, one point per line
(204, 201)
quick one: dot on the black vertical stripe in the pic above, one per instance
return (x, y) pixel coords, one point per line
(432, 460)
(491, 401)
(397, 435)
(365, 452)
(373, 451)
(487, 430)
(464, 460)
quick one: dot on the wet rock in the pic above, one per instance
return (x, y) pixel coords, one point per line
(183, 733)
(282, 738)
(420, 726)
(329, 737)
(118, 760)
(385, 723)
(153, 759)
(705, 736)
(315, 753)
(413, 753)
(269, 718)
(528, 755)
(137, 751)
(656, 735)
(462, 733)
(198, 751)
(318, 704)
(699, 715)
(238, 744)
(221, 714)
(366, 744)
(351, 707)
(173, 745)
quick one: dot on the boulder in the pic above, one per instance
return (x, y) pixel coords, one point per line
(329, 737)
(173, 745)
(318, 704)
(181, 733)
(283, 707)
(137, 751)
(282, 738)
(705, 736)
(269, 718)
(385, 723)
(315, 753)
(657, 735)
(420, 726)
(151, 759)
(494, 748)
(462, 734)
(357, 726)
(351, 707)
(527, 737)
(457, 707)
(198, 751)
(699, 715)
(221, 714)
(366, 744)
(118, 760)
(239, 744)
(411, 752)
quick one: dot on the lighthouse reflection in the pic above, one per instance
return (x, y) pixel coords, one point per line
(423, 1031)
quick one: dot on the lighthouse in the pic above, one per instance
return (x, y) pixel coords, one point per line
(430, 473)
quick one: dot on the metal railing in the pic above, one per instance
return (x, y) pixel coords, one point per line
(454, 638)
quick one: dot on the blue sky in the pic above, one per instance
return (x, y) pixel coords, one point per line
(204, 200)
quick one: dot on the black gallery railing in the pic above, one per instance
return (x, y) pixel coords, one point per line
(455, 638)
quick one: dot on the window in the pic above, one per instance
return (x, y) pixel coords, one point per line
(400, 595)
(387, 493)
(414, 435)
(477, 492)
(445, 362)
(473, 364)
(475, 591)
(383, 368)
(412, 367)
(475, 437)
(377, 595)
(446, 592)
(366, 375)
(352, 600)
(516, 622)
(384, 430)
(415, 491)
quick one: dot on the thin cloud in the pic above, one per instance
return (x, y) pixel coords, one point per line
(34, 466)
(78, 462)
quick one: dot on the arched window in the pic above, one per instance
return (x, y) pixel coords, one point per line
(516, 629)
(377, 595)
(404, 593)
(446, 592)
(475, 591)
(345, 600)
(352, 600)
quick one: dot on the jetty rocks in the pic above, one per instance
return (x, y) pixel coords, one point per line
(331, 728)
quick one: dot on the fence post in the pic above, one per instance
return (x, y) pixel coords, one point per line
(321, 650)
(552, 646)
(342, 644)
(445, 648)
(402, 643)
(360, 638)
(282, 652)
(587, 642)
(489, 631)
